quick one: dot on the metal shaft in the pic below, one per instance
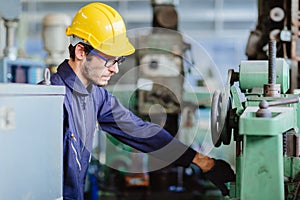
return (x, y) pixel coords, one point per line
(272, 62)
(10, 50)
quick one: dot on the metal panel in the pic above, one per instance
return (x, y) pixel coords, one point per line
(31, 141)
(17, 89)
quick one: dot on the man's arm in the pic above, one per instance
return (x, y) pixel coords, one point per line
(153, 139)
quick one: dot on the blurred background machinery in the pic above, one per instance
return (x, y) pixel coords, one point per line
(277, 20)
(54, 39)
(15, 65)
(221, 27)
(12, 67)
(160, 57)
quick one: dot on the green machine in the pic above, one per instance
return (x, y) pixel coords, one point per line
(256, 110)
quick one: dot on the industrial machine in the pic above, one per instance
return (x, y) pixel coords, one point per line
(263, 121)
(273, 165)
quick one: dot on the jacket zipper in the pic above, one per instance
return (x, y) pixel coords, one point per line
(84, 125)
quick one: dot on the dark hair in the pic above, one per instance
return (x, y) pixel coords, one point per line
(87, 49)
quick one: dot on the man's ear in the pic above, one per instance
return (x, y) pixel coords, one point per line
(79, 52)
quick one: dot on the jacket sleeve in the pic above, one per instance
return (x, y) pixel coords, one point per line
(146, 137)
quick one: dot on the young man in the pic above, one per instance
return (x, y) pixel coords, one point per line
(98, 45)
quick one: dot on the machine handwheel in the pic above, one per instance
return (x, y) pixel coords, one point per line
(220, 107)
(215, 119)
(226, 131)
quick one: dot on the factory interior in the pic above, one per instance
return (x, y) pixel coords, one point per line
(221, 76)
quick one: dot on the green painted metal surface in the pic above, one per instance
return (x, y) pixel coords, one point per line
(262, 168)
(283, 119)
(261, 173)
(236, 103)
(254, 74)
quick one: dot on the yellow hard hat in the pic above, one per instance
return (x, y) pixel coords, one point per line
(103, 28)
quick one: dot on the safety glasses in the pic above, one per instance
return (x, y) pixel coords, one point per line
(109, 62)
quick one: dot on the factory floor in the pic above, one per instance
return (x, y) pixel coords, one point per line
(169, 183)
(157, 195)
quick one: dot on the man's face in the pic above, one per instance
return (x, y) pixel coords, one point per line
(95, 71)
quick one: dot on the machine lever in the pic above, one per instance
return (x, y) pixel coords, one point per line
(290, 100)
(263, 105)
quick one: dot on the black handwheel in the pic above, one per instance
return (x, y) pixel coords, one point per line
(220, 111)
(226, 131)
(215, 119)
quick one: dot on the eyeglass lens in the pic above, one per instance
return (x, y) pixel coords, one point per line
(110, 62)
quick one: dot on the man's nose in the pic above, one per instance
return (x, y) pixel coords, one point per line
(115, 68)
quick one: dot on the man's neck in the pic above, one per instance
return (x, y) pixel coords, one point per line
(76, 67)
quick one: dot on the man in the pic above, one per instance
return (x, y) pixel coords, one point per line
(98, 45)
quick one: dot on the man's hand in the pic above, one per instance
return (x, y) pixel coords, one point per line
(204, 162)
(218, 172)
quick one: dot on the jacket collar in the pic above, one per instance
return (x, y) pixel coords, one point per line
(71, 80)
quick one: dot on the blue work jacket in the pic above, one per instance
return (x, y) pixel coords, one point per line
(83, 108)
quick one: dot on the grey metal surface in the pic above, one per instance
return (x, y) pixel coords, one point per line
(29, 89)
(31, 141)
